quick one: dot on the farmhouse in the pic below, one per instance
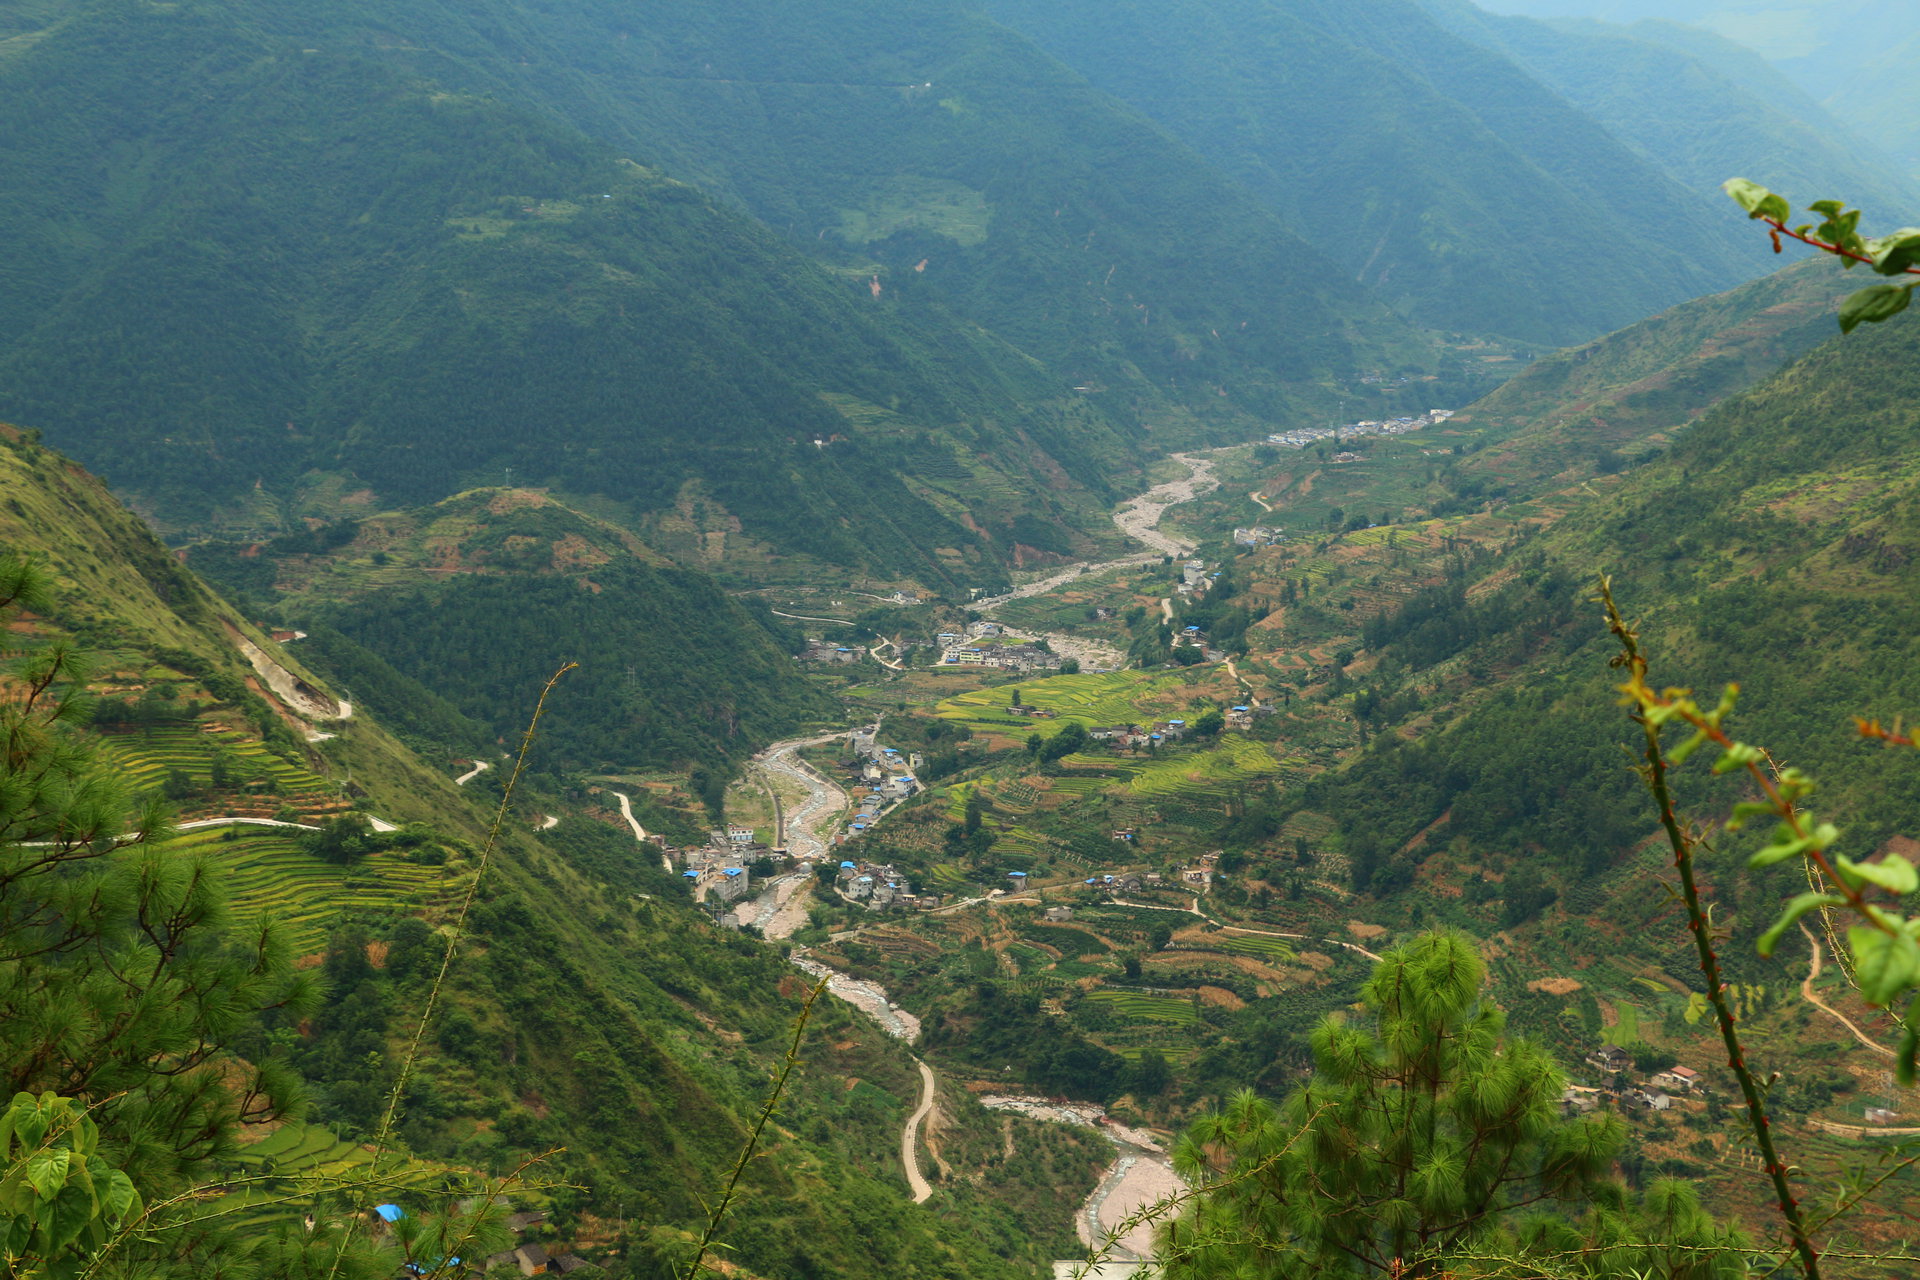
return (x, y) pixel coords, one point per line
(1680, 1080)
(1611, 1058)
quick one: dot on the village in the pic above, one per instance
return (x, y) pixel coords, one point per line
(1301, 437)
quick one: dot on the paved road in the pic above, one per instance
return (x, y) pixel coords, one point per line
(479, 767)
(909, 1137)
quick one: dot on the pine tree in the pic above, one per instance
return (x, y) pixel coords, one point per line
(1426, 1144)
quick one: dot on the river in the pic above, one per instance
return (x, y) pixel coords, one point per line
(1139, 518)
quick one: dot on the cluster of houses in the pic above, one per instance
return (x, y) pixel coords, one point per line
(967, 649)
(880, 887)
(882, 777)
(821, 651)
(718, 870)
(528, 1257)
(1258, 536)
(1652, 1095)
(1194, 579)
(1301, 437)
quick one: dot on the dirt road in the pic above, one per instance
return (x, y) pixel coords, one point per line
(639, 832)
(909, 1137)
(1806, 993)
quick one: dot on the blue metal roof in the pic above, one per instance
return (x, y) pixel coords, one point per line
(390, 1212)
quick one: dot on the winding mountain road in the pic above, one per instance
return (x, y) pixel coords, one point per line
(1806, 993)
(479, 767)
(909, 1137)
(639, 832)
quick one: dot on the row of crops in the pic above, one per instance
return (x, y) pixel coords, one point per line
(148, 756)
(266, 871)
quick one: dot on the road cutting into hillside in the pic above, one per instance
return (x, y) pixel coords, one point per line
(639, 832)
(1806, 993)
(909, 1137)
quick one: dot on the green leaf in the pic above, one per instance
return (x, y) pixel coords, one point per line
(122, 1197)
(1782, 846)
(1894, 873)
(29, 1121)
(1885, 964)
(47, 1170)
(1798, 907)
(1873, 304)
(1756, 199)
(1895, 252)
(1736, 756)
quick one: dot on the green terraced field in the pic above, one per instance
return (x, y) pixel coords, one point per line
(1146, 1006)
(268, 872)
(1111, 697)
(302, 1157)
(1212, 774)
(147, 756)
(1277, 950)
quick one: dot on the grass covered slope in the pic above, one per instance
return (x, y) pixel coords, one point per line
(591, 1009)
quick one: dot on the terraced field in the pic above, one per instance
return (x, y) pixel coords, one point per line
(1111, 697)
(148, 756)
(302, 1157)
(1146, 1006)
(265, 870)
(1211, 774)
(1273, 950)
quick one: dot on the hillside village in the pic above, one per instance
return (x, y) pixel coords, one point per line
(1301, 437)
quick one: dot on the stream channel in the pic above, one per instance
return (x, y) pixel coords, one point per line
(1140, 1173)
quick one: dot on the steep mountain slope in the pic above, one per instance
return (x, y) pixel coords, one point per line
(381, 256)
(1772, 545)
(482, 596)
(1615, 399)
(1422, 157)
(593, 1014)
(1699, 107)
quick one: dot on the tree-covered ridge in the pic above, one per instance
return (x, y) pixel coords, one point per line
(590, 1009)
(1692, 103)
(354, 268)
(381, 255)
(1418, 157)
(445, 620)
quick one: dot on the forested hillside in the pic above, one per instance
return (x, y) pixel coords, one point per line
(1771, 546)
(449, 618)
(1440, 154)
(1700, 108)
(594, 1016)
(386, 257)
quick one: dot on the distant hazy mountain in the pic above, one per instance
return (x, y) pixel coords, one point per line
(1698, 106)
(1856, 57)
(1438, 170)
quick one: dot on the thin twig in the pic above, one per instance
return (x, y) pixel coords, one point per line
(384, 1134)
(767, 1108)
(1683, 843)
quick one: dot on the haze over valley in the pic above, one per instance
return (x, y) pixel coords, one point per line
(978, 641)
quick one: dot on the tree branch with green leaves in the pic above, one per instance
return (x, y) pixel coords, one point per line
(1838, 233)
